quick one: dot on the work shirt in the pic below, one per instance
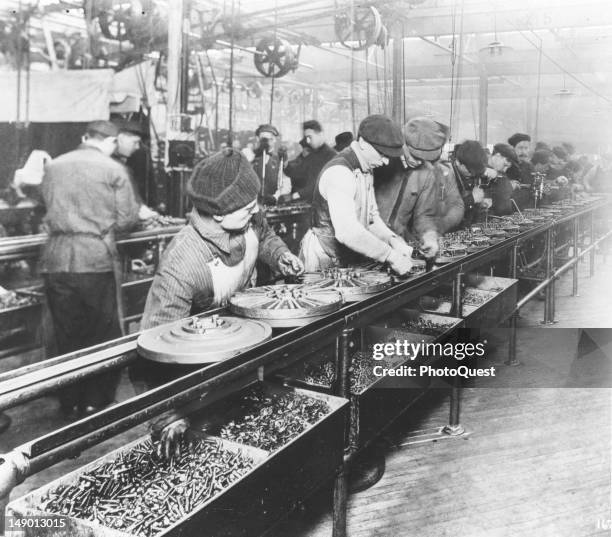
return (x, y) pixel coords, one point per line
(183, 284)
(273, 181)
(345, 215)
(304, 170)
(407, 198)
(88, 197)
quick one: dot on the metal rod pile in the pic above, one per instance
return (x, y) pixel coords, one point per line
(142, 494)
(269, 420)
(16, 299)
(425, 326)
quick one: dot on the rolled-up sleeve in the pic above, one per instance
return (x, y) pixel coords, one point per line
(337, 186)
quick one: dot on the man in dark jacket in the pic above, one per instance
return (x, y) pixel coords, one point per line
(500, 189)
(408, 198)
(268, 165)
(522, 173)
(305, 169)
(468, 163)
(88, 198)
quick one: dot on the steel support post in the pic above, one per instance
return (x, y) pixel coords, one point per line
(513, 318)
(575, 256)
(343, 389)
(549, 248)
(592, 241)
(551, 295)
(454, 428)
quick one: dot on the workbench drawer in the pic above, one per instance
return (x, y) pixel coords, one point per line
(488, 300)
(248, 506)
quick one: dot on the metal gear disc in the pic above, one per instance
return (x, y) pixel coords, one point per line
(354, 283)
(285, 305)
(200, 340)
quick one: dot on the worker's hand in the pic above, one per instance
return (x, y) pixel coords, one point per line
(400, 245)
(400, 263)
(430, 244)
(490, 173)
(285, 198)
(487, 203)
(146, 213)
(171, 437)
(290, 265)
(515, 184)
(477, 194)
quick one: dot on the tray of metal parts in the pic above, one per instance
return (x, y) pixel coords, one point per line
(19, 299)
(451, 252)
(133, 492)
(302, 430)
(353, 283)
(487, 300)
(286, 305)
(374, 402)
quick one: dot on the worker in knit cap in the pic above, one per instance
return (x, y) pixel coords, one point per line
(208, 261)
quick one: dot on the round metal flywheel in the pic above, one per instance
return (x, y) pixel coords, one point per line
(274, 57)
(358, 28)
(200, 340)
(286, 305)
(354, 283)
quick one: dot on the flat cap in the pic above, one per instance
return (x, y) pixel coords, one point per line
(506, 151)
(103, 128)
(266, 127)
(425, 138)
(518, 137)
(383, 134)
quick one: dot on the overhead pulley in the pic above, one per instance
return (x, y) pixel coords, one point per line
(274, 57)
(358, 28)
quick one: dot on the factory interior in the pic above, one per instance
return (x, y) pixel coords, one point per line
(334, 269)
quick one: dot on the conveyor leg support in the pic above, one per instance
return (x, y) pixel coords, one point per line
(340, 504)
(454, 428)
(512, 361)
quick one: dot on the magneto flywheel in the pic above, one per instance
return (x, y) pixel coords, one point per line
(286, 305)
(354, 284)
(200, 340)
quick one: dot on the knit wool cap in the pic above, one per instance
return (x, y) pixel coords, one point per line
(223, 183)
(425, 138)
(517, 138)
(382, 134)
(506, 151)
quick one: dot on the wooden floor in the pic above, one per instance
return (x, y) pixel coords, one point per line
(536, 461)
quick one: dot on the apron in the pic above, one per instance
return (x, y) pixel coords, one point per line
(227, 280)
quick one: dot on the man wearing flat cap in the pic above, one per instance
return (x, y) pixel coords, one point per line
(407, 191)
(268, 165)
(89, 198)
(522, 174)
(500, 189)
(347, 227)
(211, 258)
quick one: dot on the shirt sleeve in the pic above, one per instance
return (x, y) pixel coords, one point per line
(126, 205)
(337, 186)
(454, 206)
(271, 246)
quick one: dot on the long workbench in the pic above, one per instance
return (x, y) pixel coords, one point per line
(344, 331)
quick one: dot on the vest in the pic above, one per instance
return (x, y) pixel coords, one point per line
(322, 225)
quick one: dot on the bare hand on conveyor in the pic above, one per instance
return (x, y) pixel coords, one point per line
(400, 263)
(172, 436)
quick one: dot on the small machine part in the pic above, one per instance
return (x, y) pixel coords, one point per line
(199, 340)
(355, 284)
(286, 305)
(274, 57)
